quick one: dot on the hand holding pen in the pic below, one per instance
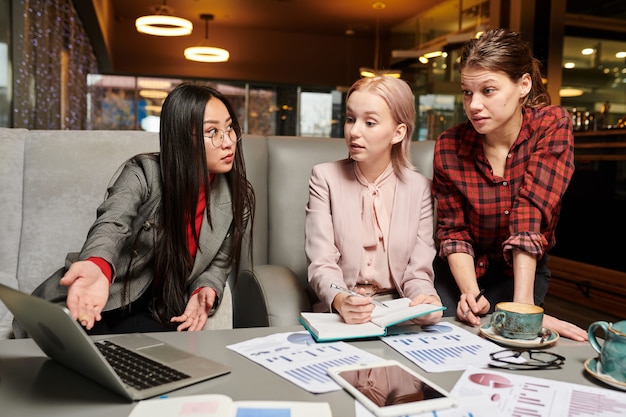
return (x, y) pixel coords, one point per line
(350, 292)
(478, 297)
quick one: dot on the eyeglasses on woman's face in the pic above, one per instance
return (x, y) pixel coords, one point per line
(216, 136)
(525, 359)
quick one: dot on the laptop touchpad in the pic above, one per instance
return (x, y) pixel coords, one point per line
(165, 353)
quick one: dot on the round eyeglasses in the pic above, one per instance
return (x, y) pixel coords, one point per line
(525, 360)
(233, 133)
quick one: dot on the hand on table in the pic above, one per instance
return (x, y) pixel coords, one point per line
(565, 328)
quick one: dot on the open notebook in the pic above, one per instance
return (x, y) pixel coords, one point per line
(328, 327)
(64, 340)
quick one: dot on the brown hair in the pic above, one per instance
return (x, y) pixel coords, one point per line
(505, 51)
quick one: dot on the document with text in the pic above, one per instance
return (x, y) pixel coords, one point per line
(298, 358)
(525, 396)
(442, 347)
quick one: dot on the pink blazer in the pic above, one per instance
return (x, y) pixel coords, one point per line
(334, 240)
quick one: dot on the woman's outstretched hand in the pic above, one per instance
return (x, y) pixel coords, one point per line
(197, 311)
(88, 292)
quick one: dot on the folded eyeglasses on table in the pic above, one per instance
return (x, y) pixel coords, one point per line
(528, 359)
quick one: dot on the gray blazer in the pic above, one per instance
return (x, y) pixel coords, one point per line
(126, 223)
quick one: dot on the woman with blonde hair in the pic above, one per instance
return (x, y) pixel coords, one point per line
(369, 218)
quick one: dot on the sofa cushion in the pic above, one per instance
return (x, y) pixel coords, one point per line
(291, 160)
(51, 183)
(66, 174)
(11, 182)
(255, 156)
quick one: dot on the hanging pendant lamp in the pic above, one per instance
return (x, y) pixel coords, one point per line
(372, 72)
(206, 53)
(162, 23)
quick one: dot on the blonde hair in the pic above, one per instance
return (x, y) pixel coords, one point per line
(401, 102)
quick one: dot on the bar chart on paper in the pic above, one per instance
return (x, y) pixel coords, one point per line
(604, 404)
(299, 359)
(442, 347)
(523, 396)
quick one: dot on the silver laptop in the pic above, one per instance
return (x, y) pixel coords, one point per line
(64, 340)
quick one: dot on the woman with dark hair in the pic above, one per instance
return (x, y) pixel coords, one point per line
(170, 230)
(499, 179)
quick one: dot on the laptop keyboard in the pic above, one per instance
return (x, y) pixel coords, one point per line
(135, 370)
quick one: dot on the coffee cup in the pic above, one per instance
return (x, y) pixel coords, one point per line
(517, 320)
(613, 350)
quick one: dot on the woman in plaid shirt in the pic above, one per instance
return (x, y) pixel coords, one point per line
(499, 179)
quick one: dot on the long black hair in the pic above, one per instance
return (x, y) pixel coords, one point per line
(183, 173)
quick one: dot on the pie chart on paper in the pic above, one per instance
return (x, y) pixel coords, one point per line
(490, 380)
(301, 339)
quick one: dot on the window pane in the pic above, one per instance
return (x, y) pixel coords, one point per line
(316, 111)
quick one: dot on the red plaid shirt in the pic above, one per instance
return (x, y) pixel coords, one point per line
(488, 216)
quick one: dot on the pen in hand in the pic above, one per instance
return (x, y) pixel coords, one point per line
(350, 292)
(480, 294)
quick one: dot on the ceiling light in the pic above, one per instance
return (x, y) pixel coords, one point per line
(569, 65)
(437, 47)
(369, 72)
(153, 108)
(372, 72)
(433, 54)
(206, 53)
(620, 55)
(153, 93)
(587, 51)
(162, 23)
(570, 92)
(153, 83)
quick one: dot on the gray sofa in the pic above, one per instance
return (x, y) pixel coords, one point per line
(52, 181)
(279, 276)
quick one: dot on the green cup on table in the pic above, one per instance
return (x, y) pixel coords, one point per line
(517, 320)
(612, 351)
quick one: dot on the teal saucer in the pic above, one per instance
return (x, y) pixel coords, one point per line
(593, 366)
(488, 331)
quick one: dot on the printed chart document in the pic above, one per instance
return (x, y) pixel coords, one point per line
(523, 396)
(298, 358)
(442, 347)
(218, 405)
(327, 327)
